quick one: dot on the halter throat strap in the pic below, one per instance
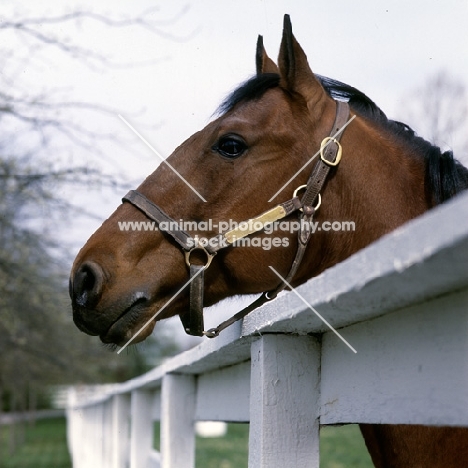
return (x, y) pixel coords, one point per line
(192, 320)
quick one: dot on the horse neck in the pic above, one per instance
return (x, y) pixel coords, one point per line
(379, 185)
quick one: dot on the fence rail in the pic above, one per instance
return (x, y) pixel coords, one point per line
(401, 303)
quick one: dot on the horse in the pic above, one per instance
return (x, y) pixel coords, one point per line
(244, 166)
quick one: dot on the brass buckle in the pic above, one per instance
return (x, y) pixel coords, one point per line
(209, 256)
(324, 144)
(319, 201)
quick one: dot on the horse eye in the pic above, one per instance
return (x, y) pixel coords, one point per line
(231, 146)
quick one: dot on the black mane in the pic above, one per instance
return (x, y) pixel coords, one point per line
(445, 176)
(251, 90)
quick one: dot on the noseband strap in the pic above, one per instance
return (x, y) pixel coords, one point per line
(152, 211)
(192, 320)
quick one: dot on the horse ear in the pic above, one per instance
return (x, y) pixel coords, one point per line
(294, 68)
(263, 62)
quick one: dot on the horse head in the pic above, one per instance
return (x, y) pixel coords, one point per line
(261, 148)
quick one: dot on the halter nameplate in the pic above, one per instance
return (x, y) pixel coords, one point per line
(248, 227)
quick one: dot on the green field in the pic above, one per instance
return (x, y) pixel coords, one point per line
(45, 447)
(340, 447)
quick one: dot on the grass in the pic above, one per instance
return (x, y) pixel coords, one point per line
(340, 447)
(343, 447)
(230, 451)
(45, 447)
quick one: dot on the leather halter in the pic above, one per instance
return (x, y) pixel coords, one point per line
(330, 156)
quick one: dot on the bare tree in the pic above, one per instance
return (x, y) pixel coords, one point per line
(39, 344)
(438, 111)
(46, 112)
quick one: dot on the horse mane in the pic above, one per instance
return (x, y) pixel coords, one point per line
(250, 90)
(444, 175)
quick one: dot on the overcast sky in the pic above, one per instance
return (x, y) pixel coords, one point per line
(384, 48)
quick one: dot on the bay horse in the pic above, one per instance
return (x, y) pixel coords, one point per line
(263, 139)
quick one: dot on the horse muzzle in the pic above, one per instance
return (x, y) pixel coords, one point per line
(111, 322)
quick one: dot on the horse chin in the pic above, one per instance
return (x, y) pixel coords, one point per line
(135, 321)
(120, 334)
(79, 322)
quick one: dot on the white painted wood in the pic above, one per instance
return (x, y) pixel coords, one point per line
(141, 431)
(156, 412)
(107, 434)
(95, 437)
(79, 455)
(120, 431)
(76, 426)
(410, 367)
(284, 402)
(224, 395)
(423, 259)
(401, 269)
(177, 421)
(209, 429)
(154, 460)
(401, 302)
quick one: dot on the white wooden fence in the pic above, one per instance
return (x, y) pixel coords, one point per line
(402, 303)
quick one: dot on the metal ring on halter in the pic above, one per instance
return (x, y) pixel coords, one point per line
(297, 190)
(211, 333)
(324, 144)
(209, 256)
(319, 202)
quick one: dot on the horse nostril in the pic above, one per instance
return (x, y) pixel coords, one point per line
(86, 285)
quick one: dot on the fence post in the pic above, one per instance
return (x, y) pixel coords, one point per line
(141, 432)
(284, 398)
(75, 430)
(95, 436)
(107, 428)
(120, 430)
(177, 421)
